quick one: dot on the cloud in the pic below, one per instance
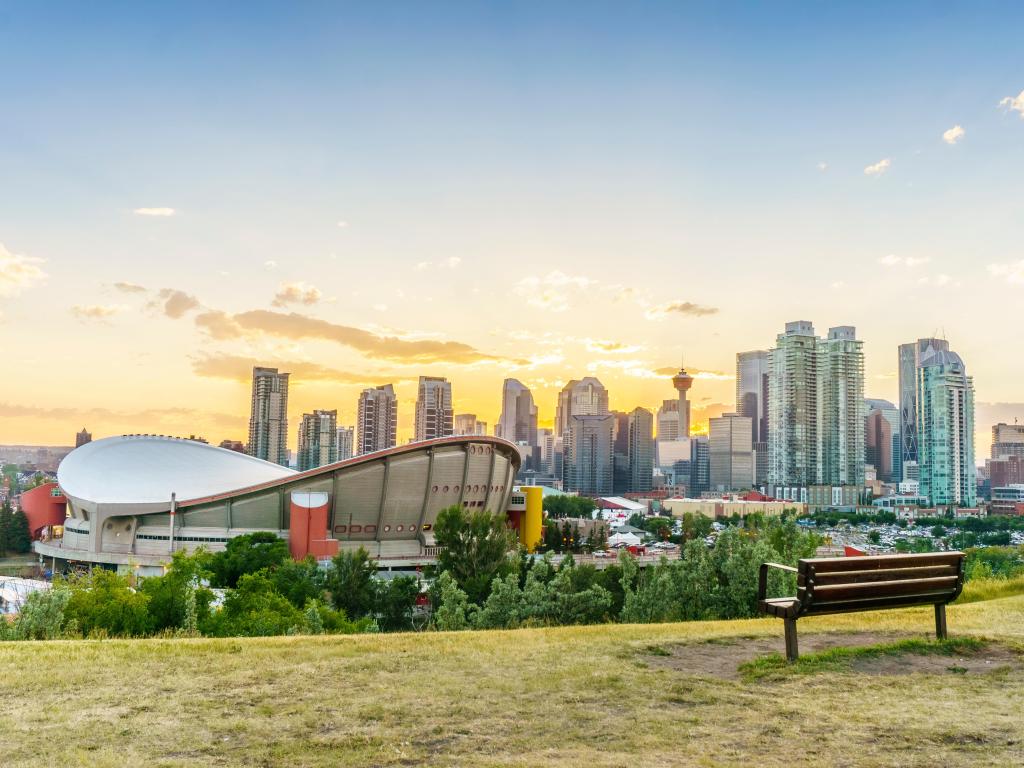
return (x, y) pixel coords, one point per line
(953, 135)
(604, 346)
(239, 368)
(18, 272)
(422, 266)
(822, 166)
(129, 287)
(878, 168)
(939, 281)
(270, 264)
(95, 311)
(892, 260)
(295, 326)
(343, 224)
(173, 420)
(551, 291)
(296, 293)
(177, 303)
(154, 212)
(451, 263)
(1011, 272)
(680, 308)
(1014, 104)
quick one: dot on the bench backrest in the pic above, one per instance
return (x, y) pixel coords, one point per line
(842, 584)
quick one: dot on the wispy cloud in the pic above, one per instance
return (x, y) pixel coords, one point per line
(95, 311)
(680, 308)
(295, 326)
(296, 293)
(450, 263)
(551, 291)
(1011, 272)
(18, 272)
(1014, 104)
(174, 420)
(239, 368)
(940, 280)
(877, 169)
(129, 287)
(154, 212)
(177, 304)
(892, 260)
(953, 135)
(822, 166)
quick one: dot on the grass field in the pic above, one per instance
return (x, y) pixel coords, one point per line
(613, 695)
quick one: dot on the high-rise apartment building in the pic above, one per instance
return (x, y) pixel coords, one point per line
(878, 444)
(588, 455)
(909, 360)
(83, 437)
(731, 453)
(377, 420)
(268, 419)
(546, 444)
(945, 429)
(1007, 440)
(344, 443)
(434, 415)
(815, 410)
(668, 420)
(641, 450)
(318, 439)
(518, 421)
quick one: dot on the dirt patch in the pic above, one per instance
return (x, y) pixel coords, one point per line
(721, 658)
(988, 659)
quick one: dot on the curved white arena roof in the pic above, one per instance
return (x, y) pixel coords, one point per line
(138, 469)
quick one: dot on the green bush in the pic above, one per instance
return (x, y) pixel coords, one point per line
(104, 603)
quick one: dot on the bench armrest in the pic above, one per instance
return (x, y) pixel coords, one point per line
(762, 577)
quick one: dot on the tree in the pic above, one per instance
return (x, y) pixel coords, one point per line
(394, 602)
(300, 581)
(179, 592)
(19, 539)
(503, 608)
(452, 612)
(42, 615)
(475, 547)
(103, 602)
(6, 524)
(245, 554)
(254, 609)
(563, 505)
(874, 537)
(351, 583)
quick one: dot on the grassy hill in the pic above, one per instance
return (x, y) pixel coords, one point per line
(611, 695)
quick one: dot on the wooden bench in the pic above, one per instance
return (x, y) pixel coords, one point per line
(847, 584)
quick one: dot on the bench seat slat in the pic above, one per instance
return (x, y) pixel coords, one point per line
(887, 574)
(874, 603)
(908, 587)
(820, 565)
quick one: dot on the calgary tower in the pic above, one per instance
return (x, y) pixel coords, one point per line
(682, 381)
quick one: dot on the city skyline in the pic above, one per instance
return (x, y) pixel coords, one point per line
(574, 200)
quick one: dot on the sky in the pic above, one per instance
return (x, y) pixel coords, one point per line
(365, 193)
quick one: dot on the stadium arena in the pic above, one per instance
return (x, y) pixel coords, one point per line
(132, 500)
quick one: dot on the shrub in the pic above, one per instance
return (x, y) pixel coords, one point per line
(103, 603)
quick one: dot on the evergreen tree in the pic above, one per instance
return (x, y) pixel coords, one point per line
(6, 523)
(19, 538)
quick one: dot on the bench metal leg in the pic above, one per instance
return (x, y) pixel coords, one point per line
(791, 650)
(940, 621)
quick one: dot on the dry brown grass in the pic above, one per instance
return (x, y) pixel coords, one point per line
(588, 696)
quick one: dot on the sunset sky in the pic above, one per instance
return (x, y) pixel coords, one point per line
(363, 193)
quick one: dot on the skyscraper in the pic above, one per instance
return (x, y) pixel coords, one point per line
(620, 453)
(878, 444)
(731, 453)
(641, 450)
(345, 443)
(82, 438)
(546, 444)
(268, 419)
(468, 424)
(668, 420)
(377, 420)
(584, 397)
(752, 392)
(588, 460)
(909, 361)
(891, 414)
(434, 415)
(945, 429)
(815, 410)
(318, 439)
(518, 420)
(1007, 440)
